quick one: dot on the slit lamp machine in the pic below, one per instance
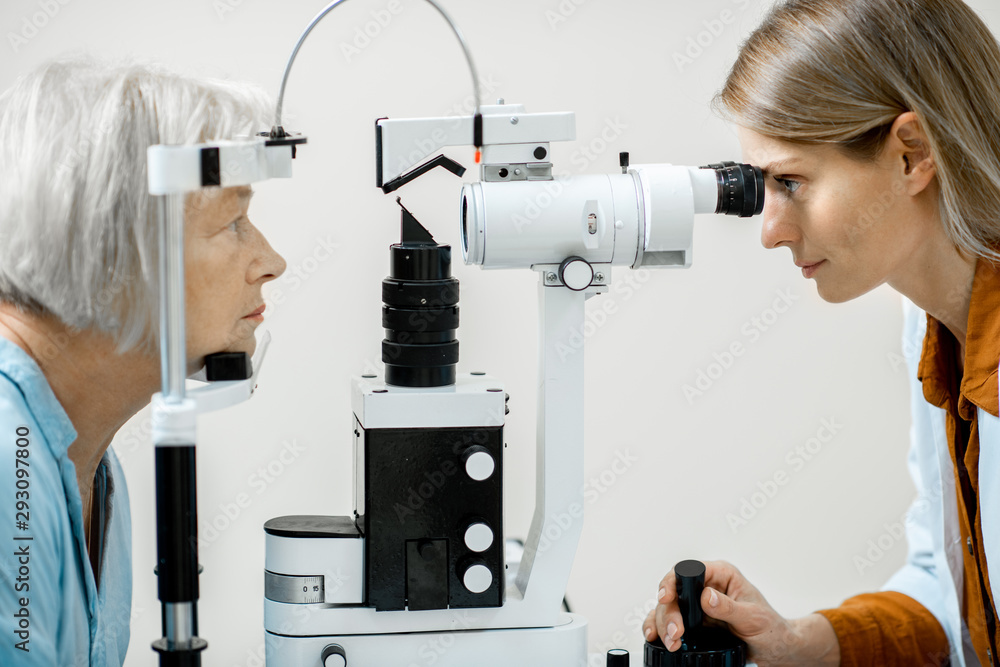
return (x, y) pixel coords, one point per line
(419, 567)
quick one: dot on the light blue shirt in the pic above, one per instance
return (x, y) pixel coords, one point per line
(45, 571)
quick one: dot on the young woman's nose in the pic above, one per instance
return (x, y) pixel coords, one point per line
(778, 229)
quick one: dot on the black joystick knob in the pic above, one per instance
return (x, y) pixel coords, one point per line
(702, 645)
(617, 657)
(690, 584)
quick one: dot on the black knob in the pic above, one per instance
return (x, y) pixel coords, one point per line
(618, 657)
(334, 655)
(690, 584)
(576, 273)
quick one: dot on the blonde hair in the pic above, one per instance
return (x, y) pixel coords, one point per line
(78, 230)
(839, 72)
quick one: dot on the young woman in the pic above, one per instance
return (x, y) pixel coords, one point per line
(877, 123)
(78, 328)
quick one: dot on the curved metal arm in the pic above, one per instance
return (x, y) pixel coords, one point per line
(329, 8)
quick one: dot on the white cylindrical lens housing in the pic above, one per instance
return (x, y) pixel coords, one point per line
(518, 224)
(669, 198)
(643, 218)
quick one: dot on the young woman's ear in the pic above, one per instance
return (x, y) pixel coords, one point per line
(910, 149)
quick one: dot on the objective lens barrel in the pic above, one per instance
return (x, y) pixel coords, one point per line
(420, 312)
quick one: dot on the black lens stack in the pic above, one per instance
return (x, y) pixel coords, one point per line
(741, 189)
(420, 311)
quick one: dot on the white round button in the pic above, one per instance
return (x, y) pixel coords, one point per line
(335, 661)
(577, 275)
(477, 578)
(480, 466)
(478, 537)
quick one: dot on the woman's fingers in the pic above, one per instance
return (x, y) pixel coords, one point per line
(668, 589)
(669, 626)
(719, 606)
(649, 626)
(746, 618)
(664, 624)
(723, 576)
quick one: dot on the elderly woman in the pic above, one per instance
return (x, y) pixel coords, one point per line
(78, 328)
(878, 122)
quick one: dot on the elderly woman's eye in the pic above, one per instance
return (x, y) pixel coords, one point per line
(789, 185)
(234, 225)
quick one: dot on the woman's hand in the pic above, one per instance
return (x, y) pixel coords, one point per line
(729, 597)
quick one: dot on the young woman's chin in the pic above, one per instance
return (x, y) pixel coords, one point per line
(833, 292)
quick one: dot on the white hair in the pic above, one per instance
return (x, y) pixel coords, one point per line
(78, 234)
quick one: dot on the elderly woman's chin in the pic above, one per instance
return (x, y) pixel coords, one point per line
(241, 339)
(248, 345)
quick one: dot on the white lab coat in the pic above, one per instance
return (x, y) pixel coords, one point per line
(933, 573)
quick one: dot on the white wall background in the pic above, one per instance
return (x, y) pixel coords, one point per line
(692, 463)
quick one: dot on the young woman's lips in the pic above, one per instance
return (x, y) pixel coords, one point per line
(809, 269)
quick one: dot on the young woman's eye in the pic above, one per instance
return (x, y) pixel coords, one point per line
(789, 185)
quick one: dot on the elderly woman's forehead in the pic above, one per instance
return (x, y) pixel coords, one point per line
(220, 197)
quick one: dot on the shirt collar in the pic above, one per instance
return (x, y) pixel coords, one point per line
(982, 350)
(42, 403)
(982, 340)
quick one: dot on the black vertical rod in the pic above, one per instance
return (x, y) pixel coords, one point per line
(176, 524)
(177, 556)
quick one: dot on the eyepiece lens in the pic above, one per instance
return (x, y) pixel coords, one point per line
(741, 189)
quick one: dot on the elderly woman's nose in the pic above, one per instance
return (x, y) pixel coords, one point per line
(268, 264)
(278, 264)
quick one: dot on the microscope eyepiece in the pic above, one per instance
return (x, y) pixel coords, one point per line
(741, 189)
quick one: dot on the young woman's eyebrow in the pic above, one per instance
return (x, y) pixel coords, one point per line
(776, 167)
